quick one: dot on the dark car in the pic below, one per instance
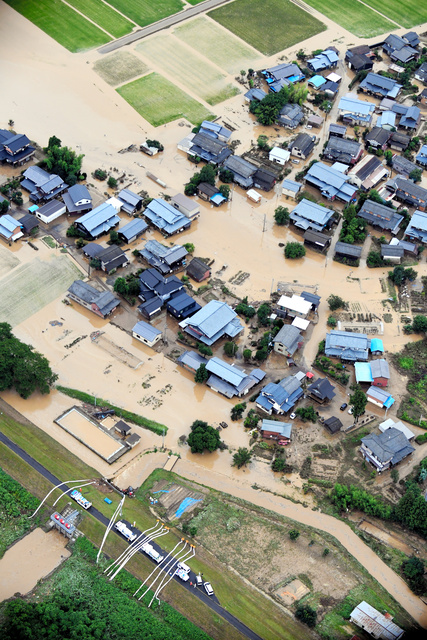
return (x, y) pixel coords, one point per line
(343, 407)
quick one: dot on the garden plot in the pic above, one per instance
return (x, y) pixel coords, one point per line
(176, 499)
(8, 261)
(159, 101)
(173, 58)
(219, 46)
(119, 68)
(33, 285)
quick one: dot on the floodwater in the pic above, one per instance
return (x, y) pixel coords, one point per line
(390, 539)
(29, 560)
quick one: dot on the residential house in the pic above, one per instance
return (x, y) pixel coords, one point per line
(165, 259)
(209, 149)
(339, 130)
(10, 229)
(412, 38)
(28, 223)
(186, 206)
(50, 211)
(403, 166)
(210, 193)
(288, 340)
(215, 130)
(315, 121)
(279, 155)
(313, 299)
(399, 141)
(282, 75)
(411, 119)
(186, 143)
(331, 89)
(387, 104)
(214, 321)
(98, 221)
(387, 120)
(15, 149)
(343, 150)
(379, 397)
(191, 360)
(165, 217)
(263, 179)
(417, 228)
(41, 185)
(347, 345)
(421, 73)
(302, 146)
(375, 623)
(422, 97)
(368, 173)
(77, 199)
(333, 425)
(322, 391)
(92, 249)
(421, 157)
(348, 251)
(317, 240)
(381, 216)
(399, 50)
(198, 270)
(181, 305)
(333, 184)
(386, 449)
(273, 429)
(391, 253)
(290, 188)
(254, 94)
(380, 86)
(377, 138)
(242, 171)
(102, 303)
(290, 115)
(316, 82)
(354, 111)
(149, 150)
(280, 397)
(408, 192)
(130, 202)
(146, 333)
(229, 380)
(359, 58)
(409, 248)
(309, 215)
(328, 59)
(112, 258)
(294, 306)
(132, 230)
(380, 372)
(156, 291)
(390, 423)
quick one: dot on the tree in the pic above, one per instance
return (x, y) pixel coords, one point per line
(120, 286)
(374, 259)
(353, 228)
(189, 247)
(394, 475)
(294, 534)
(263, 314)
(281, 216)
(225, 191)
(400, 275)
(294, 250)
(332, 321)
(112, 182)
(202, 374)
(262, 143)
(155, 143)
(413, 570)
(11, 123)
(53, 142)
(95, 263)
(237, 411)
(419, 324)
(114, 237)
(335, 302)
(4, 206)
(242, 457)
(245, 309)
(63, 161)
(388, 155)
(279, 464)
(306, 614)
(230, 349)
(202, 437)
(100, 174)
(251, 420)
(247, 354)
(204, 349)
(225, 175)
(307, 414)
(416, 175)
(358, 401)
(22, 368)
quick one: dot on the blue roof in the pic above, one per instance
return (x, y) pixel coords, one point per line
(146, 330)
(215, 128)
(422, 155)
(283, 429)
(363, 372)
(387, 118)
(314, 213)
(8, 225)
(99, 220)
(347, 345)
(218, 199)
(353, 105)
(181, 301)
(192, 360)
(332, 183)
(317, 81)
(226, 371)
(291, 185)
(165, 217)
(377, 345)
(213, 321)
(133, 228)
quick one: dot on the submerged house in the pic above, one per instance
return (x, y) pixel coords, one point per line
(165, 259)
(165, 217)
(242, 170)
(146, 333)
(198, 270)
(380, 86)
(381, 216)
(229, 380)
(130, 202)
(98, 221)
(332, 183)
(309, 215)
(208, 148)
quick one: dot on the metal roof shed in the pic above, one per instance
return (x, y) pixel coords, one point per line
(146, 333)
(132, 230)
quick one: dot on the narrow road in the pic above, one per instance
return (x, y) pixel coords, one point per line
(212, 603)
(161, 24)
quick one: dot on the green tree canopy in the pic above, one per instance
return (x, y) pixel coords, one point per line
(230, 349)
(335, 302)
(281, 215)
(307, 414)
(242, 457)
(202, 374)
(358, 401)
(419, 324)
(306, 614)
(63, 161)
(294, 250)
(202, 437)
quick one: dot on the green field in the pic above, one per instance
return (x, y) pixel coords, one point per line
(218, 45)
(354, 16)
(61, 23)
(104, 16)
(408, 13)
(194, 2)
(159, 101)
(33, 285)
(120, 67)
(177, 61)
(269, 26)
(145, 12)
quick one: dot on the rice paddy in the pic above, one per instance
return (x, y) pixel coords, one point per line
(145, 12)
(354, 16)
(120, 67)
(104, 16)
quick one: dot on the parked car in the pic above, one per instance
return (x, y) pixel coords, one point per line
(343, 407)
(350, 411)
(293, 416)
(295, 161)
(208, 588)
(199, 580)
(283, 443)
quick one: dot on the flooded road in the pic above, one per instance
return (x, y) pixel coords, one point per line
(29, 560)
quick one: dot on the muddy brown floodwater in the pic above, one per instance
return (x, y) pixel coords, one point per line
(29, 560)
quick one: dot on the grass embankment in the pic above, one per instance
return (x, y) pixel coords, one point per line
(152, 425)
(61, 23)
(16, 504)
(353, 16)
(269, 26)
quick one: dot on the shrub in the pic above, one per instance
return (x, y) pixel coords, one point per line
(202, 437)
(335, 302)
(202, 374)
(294, 534)
(237, 411)
(263, 314)
(332, 321)
(325, 552)
(247, 354)
(279, 464)
(281, 216)
(230, 349)
(204, 349)
(306, 614)
(251, 420)
(112, 182)
(100, 174)
(294, 250)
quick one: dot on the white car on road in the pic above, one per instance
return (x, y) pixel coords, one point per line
(208, 588)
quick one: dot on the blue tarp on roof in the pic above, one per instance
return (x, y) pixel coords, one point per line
(363, 372)
(317, 81)
(377, 345)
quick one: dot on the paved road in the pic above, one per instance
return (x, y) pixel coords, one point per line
(198, 593)
(161, 24)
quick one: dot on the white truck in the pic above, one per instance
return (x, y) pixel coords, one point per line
(81, 500)
(150, 551)
(125, 531)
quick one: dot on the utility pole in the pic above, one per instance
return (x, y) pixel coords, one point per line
(163, 439)
(264, 226)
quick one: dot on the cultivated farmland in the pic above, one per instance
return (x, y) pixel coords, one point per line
(145, 12)
(407, 14)
(8, 261)
(177, 61)
(104, 16)
(159, 101)
(61, 23)
(353, 16)
(269, 26)
(218, 45)
(33, 285)
(119, 67)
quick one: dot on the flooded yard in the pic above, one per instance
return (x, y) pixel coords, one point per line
(30, 560)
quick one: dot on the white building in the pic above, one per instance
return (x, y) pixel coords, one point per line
(279, 155)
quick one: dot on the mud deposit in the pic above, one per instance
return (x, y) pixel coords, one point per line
(29, 560)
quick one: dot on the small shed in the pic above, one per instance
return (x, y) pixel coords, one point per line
(51, 211)
(345, 250)
(315, 121)
(28, 223)
(122, 428)
(254, 195)
(290, 188)
(186, 206)
(277, 430)
(377, 347)
(392, 253)
(380, 372)
(132, 230)
(333, 424)
(132, 440)
(198, 270)
(146, 333)
(279, 155)
(317, 240)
